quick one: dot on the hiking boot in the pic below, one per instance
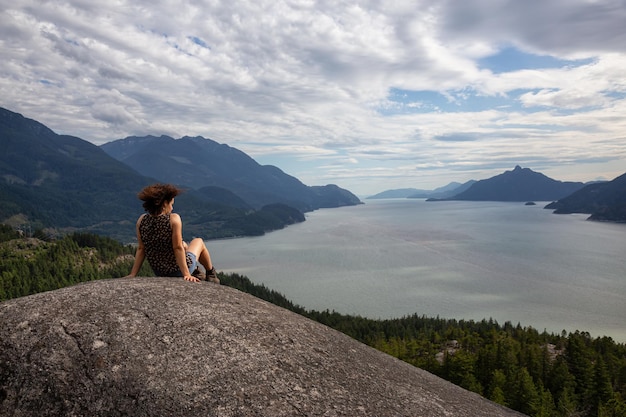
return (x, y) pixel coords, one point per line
(199, 274)
(211, 276)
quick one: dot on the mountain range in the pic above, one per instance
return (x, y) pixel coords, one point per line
(197, 163)
(602, 200)
(65, 183)
(442, 192)
(520, 184)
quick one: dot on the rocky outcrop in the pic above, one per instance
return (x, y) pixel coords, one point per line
(166, 347)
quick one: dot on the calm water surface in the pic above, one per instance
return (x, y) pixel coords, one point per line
(471, 260)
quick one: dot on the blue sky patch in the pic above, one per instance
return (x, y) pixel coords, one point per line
(512, 59)
(410, 102)
(198, 42)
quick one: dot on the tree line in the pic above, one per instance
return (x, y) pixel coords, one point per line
(537, 373)
(35, 264)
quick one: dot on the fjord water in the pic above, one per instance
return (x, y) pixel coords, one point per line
(453, 259)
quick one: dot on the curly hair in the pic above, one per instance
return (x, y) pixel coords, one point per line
(156, 195)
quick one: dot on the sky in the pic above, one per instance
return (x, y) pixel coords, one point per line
(368, 95)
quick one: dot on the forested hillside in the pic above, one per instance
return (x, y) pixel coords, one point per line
(62, 183)
(35, 264)
(540, 374)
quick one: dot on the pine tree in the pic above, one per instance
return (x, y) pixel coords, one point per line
(526, 397)
(497, 386)
(602, 391)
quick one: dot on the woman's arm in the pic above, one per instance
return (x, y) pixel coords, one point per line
(140, 253)
(179, 247)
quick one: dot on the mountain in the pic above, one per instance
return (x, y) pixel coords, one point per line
(222, 196)
(441, 192)
(520, 184)
(446, 191)
(197, 162)
(61, 180)
(604, 201)
(396, 193)
(65, 183)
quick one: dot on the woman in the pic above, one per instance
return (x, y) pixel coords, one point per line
(160, 239)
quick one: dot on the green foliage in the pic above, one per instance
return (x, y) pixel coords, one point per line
(242, 283)
(270, 217)
(32, 265)
(7, 233)
(539, 374)
(107, 249)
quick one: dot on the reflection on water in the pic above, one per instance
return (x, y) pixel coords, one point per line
(472, 260)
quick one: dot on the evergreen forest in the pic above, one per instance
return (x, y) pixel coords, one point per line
(537, 373)
(29, 265)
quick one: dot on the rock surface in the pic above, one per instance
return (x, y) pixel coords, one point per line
(166, 347)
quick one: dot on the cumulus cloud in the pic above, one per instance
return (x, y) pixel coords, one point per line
(361, 94)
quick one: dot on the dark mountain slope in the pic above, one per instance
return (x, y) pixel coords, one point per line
(61, 180)
(197, 162)
(520, 184)
(219, 195)
(604, 201)
(65, 183)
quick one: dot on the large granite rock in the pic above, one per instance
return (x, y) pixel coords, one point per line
(166, 347)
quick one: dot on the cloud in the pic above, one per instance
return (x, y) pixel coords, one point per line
(361, 94)
(564, 28)
(458, 137)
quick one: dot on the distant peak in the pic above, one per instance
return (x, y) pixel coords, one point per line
(517, 168)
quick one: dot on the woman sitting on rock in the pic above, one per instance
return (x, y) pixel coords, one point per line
(160, 239)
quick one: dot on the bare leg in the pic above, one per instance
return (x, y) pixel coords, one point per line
(198, 248)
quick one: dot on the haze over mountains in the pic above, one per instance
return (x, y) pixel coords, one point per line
(603, 201)
(442, 192)
(520, 184)
(66, 183)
